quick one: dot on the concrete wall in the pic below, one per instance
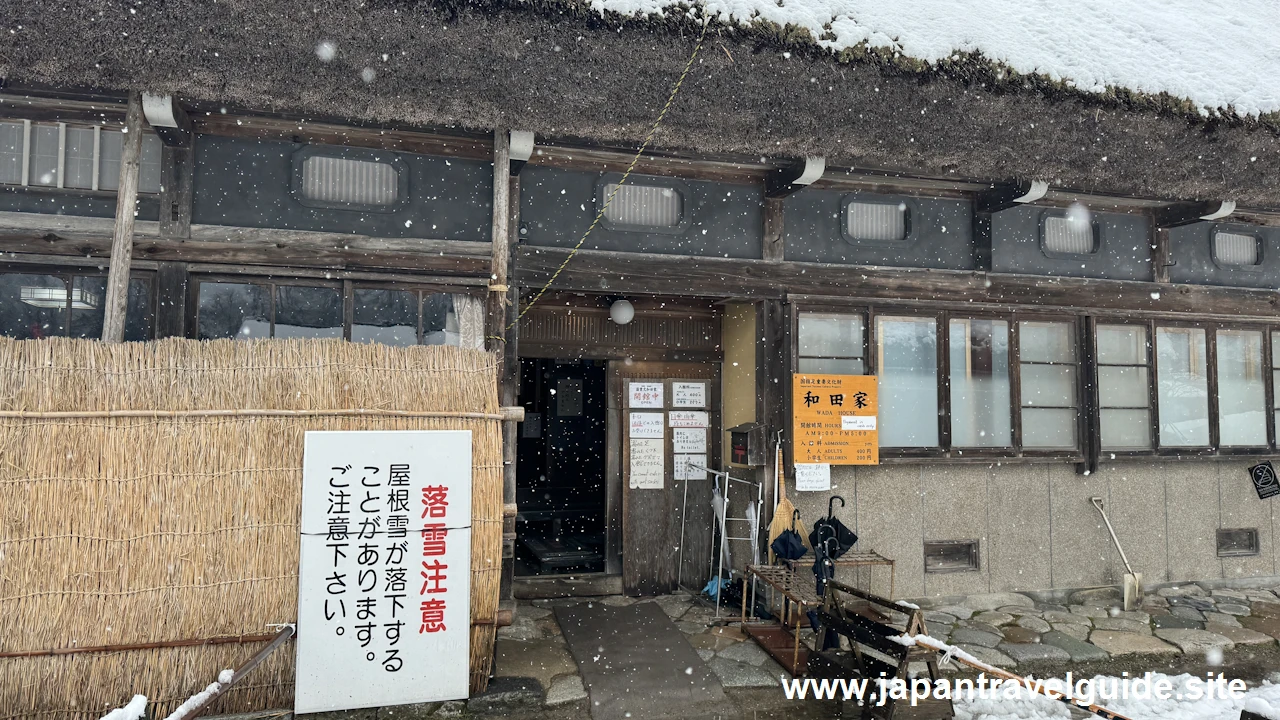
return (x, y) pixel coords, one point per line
(1037, 529)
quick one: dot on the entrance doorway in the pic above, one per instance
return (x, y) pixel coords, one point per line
(561, 478)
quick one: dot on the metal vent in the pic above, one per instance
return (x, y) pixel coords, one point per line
(951, 556)
(342, 180)
(1069, 236)
(1236, 249)
(876, 222)
(643, 205)
(1233, 542)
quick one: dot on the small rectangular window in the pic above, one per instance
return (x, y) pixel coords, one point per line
(11, 150)
(79, 158)
(1068, 235)
(1235, 542)
(1049, 373)
(876, 222)
(1242, 410)
(643, 205)
(1124, 387)
(907, 349)
(1236, 249)
(1183, 387)
(111, 145)
(830, 343)
(951, 556)
(331, 179)
(980, 383)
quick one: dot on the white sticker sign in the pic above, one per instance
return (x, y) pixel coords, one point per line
(688, 440)
(384, 577)
(857, 422)
(646, 425)
(647, 464)
(689, 394)
(645, 395)
(689, 419)
(689, 467)
(813, 476)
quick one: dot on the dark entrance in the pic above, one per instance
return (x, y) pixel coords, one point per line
(560, 478)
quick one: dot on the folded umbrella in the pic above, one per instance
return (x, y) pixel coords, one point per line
(789, 545)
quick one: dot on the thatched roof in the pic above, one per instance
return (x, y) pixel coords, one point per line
(563, 71)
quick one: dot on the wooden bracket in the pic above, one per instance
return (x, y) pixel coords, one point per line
(168, 119)
(796, 176)
(1011, 194)
(1179, 214)
(521, 149)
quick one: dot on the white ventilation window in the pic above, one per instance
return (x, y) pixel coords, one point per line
(876, 222)
(643, 205)
(330, 179)
(1068, 235)
(84, 157)
(1236, 249)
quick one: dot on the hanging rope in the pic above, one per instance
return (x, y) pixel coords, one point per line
(675, 90)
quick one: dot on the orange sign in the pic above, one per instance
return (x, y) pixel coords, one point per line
(834, 419)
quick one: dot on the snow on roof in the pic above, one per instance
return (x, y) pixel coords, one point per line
(1218, 55)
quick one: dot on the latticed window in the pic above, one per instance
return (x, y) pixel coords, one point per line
(643, 205)
(1236, 249)
(82, 157)
(1068, 235)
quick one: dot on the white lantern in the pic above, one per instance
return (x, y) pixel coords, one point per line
(621, 312)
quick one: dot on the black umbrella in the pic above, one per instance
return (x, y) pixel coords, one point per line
(830, 539)
(789, 545)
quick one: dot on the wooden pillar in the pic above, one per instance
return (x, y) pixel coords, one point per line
(773, 250)
(117, 299)
(500, 257)
(177, 174)
(773, 387)
(1161, 255)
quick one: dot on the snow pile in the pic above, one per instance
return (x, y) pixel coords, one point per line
(1262, 708)
(136, 708)
(1217, 55)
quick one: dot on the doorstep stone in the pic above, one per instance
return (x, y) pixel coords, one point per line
(1077, 648)
(991, 601)
(541, 660)
(1119, 643)
(1194, 641)
(1034, 652)
(1239, 635)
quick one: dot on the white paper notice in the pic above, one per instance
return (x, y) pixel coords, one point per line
(813, 476)
(646, 425)
(688, 440)
(689, 419)
(647, 464)
(689, 394)
(857, 422)
(685, 470)
(645, 395)
(384, 576)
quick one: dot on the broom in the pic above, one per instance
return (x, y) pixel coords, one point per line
(784, 512)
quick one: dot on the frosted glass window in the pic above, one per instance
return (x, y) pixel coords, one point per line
(1242, 410)
(345, 180)
(830, 343)
(1068, 235)
(112, 145)
(1124, 387)
(1049, 382)
(1236, 249)
(646, 205)
(876, 222)
(980, 383)
(389, 317)
(44, 155)
(79, 158)
(11, 149)
(1182, 387)
(907, 350)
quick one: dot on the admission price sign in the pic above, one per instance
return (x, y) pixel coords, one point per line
(834, 419)
(384, 580)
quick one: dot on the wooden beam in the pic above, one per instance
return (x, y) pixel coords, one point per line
(500, 250)
(117, 295)
(653, 274)
(415, 141)
(773, 250)
(1179, 214)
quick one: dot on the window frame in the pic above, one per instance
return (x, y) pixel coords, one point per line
(95, 189)
(68, 273)
(386, 157)
(687, 204)
(347, 289)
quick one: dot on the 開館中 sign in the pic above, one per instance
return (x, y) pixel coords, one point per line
(384, 578)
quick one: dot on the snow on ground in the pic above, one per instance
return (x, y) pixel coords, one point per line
(1029, 707)
(1216, 54)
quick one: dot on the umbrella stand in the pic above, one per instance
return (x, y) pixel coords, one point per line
(725, 519)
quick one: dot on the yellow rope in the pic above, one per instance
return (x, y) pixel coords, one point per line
(675, 90)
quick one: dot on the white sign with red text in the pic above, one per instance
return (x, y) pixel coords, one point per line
(384, 577)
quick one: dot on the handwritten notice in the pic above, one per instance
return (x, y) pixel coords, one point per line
(645, 395)
(688, 440)
(646, 425)
(689, 467)
(689, 419)
(647, 464)
(813, 476)
(689, 394)
(857, 422)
